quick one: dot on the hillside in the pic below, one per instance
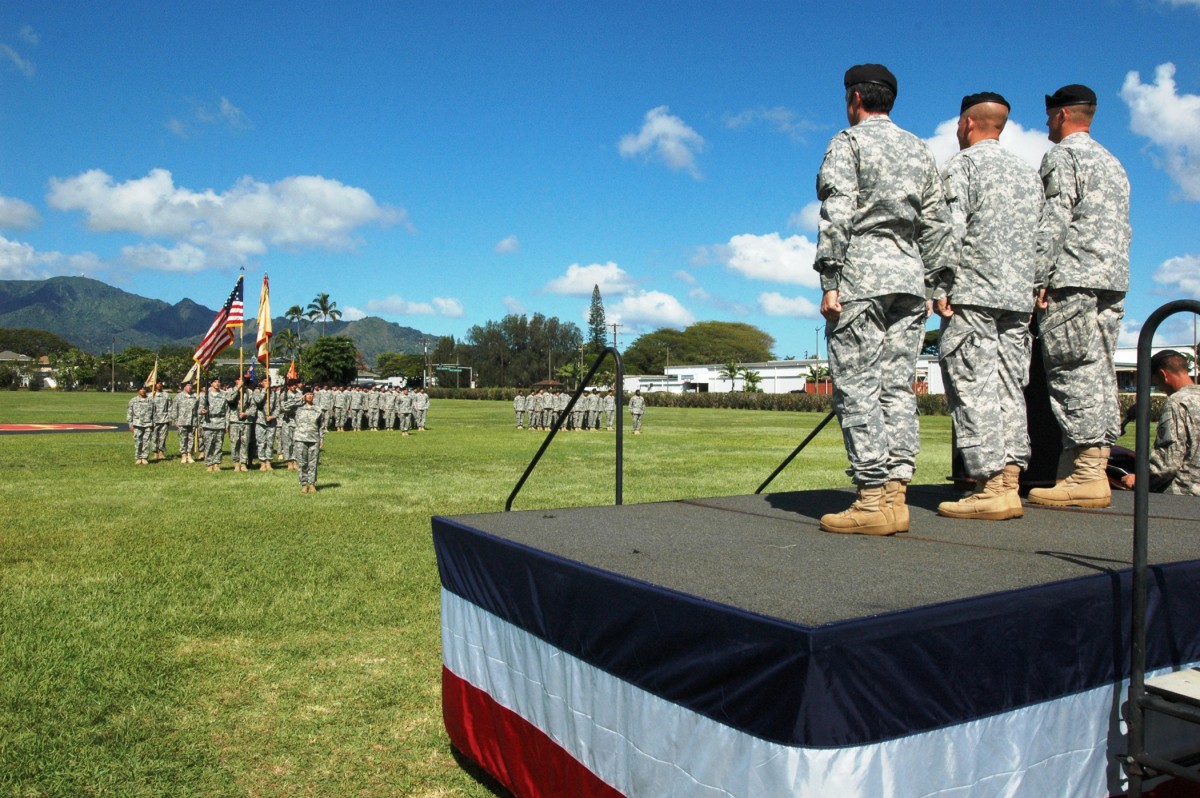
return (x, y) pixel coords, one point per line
(90, 314)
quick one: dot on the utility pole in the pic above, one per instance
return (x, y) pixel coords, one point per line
(817, 340)
(112, 386)
(614, 326)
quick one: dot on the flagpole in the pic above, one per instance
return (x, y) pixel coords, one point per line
(241, 370)
(196, 429)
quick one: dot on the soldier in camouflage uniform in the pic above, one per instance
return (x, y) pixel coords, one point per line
(323, 399)
(1175, 461)
(1083, 273)
(883, 231)
(310, 430)
(241, 424)
(373, 407)
(404, 409)
(289, 401)
(341, 405)
(519, 409)
(265, 424)
(355, 406)
(610, 409)
(995, 200)
(637, 408)
(184, 414)
(214, 417)
(162, 420)
(140, 415)
(420, 408)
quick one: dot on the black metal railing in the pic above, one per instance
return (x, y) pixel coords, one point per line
(1139, 764)
(558, 422)
(796, 451)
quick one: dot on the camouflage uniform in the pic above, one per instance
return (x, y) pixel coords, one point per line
(184, 413)
(420, 408)
(162, 418)
(404, 408)
(883, 231)
(214, 417)
(265, 424)
(610, 409)
(995, 200)
(637, 407)
(310, 423)
(288, 402)
(140, 415)
(1175, 461)
(519, 409)
(241, 425)
(355, 406)
(1083, 262)
(341, 404)
(372, 405)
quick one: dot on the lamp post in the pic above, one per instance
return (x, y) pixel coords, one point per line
(112, 384)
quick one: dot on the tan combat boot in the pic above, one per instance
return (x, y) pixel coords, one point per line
(1087, 486)
(990, 503)
(1012, 489)
(895, 493)
(868, 515)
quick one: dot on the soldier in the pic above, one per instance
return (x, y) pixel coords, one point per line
(883, 227)
(140, 415)
(1083, 274)
(610, 409)
(265, 423)
(214, 417)
(290, 400)
(184, 414)
(373, 407)
(389, 408)
(1175, 461)
(323, 399)
(241, 424)
(310, 423)
(995, 200)
(533, 409)
(592, 418)
(162, 419)
(404, 408)
(519, 409)
(578, 413)
(341, 405)
(420, 408)
(637, 407)
(355, 406)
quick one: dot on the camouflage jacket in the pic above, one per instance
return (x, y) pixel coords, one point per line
(1175, 461)
(140, 412)
(185, 409)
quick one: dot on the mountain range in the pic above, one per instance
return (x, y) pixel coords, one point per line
(95, 317)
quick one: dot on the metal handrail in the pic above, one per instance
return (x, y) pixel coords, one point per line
(1137, 758)
(796, 451)
(558, 422)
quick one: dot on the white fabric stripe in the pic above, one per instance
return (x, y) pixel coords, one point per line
(647, 747)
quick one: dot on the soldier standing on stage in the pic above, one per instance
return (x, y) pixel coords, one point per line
(995, 200)
(883, 228)
(519, 409)
(140, 415)
(310, 423)
(420, 408)
(1083, 272)
(162, 419)
(214, 417)
(184, 414)
(637, 408)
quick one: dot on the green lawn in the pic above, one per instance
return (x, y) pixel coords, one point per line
(166, 631)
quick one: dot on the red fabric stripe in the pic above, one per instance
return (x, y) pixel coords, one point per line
(515, 752)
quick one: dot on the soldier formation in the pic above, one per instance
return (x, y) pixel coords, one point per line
(988, 242)
(380, 408)
(592, 411)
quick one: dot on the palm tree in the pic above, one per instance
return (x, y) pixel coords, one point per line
(288, 343)
(323, 308)
(295, 314)
(571, 372)
(730, 371)
(750, 380)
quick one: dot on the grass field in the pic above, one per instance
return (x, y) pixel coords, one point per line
(165, 631)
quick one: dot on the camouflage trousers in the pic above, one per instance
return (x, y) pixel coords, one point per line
(1079, 331)
(637, 422)
(287, 438)
(873, 349)
(420, 418)
(141, 442)
(985, 362)
(520, 414)
(307, 456)
(239, 443)
(213, 439)
(264, 439)
(339, 422)
(405, 421)
(160, 437)
(187, 436)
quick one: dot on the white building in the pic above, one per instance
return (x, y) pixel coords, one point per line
(776, 376)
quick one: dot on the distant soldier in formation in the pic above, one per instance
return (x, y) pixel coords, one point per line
(140, 415)
(594, 405)
(519, 409)
(637, 407)
(533, 409)
(310, 426)
(265, 423)
(241, 424)
(610, 409)
(578, 413)
(389, 408)
(290, 399)
(323, 399)
(162, 420)
(420, 408)
(184, 415)
(341, 408)
(373, 408)
(356, 406)
(404, 408)
(214, 416)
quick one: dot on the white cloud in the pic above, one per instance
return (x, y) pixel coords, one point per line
(1178, 3)
(771, 257)
(23, 66)
(507, 246)
(302, 212)
(580, 280)
(17, 214)
(775, 304)
(352, 313)
(185, 258)
(399, 306)
(807, 218)
(224, 113)
(785, 120)
(1183, 273)
(1026, 143)
(20, 261)
(231, 114)
(29, 35)
(684, 277)
(667, 138)
(649, 309)
(513, 305)
(1171, 121)
(448, 307)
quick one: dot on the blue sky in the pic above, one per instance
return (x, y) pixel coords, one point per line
(442, 164)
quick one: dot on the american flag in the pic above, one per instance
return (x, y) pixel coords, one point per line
(218, 336)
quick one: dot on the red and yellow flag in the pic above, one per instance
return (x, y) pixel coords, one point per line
(264, 323)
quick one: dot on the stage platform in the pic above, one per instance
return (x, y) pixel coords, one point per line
(728, 647)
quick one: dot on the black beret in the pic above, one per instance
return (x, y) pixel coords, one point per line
(870, 73)
(1075, 94)
(982, 97)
